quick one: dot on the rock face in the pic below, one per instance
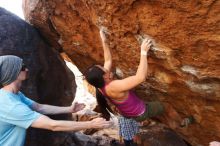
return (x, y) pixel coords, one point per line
(158, 135)
(184, 68)
(48, 82)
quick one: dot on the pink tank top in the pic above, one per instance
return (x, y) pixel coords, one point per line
(130, 107)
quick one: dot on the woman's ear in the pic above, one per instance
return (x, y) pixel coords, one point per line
(105, 76)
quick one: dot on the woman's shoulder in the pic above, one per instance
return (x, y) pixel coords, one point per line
(114, 87)
(112, 84)
(115, 94)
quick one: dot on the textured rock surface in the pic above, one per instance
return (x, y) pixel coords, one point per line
(158, 135)
(80, 139)
(184, 68)
(48, 82)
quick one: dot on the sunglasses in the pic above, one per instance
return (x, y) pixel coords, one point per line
(23, 68)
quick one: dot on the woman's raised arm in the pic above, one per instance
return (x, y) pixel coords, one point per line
(106, 49)
(141, 74)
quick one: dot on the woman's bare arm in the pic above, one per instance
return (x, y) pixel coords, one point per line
(106, 50)
(141, 74)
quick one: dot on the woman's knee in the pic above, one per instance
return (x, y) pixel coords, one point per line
(155, 108)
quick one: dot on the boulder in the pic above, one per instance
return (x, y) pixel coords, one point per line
(48, 80)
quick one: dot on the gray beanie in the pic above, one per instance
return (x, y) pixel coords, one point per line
(10, 67)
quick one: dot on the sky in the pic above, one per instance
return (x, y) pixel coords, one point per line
(14, 6)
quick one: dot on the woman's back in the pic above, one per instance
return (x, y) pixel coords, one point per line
(129, 106)
(114, 94)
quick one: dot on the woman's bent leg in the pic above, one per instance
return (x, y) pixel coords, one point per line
(154, 108)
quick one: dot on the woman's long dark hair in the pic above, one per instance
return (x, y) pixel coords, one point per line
(104, 107)
(94, 76)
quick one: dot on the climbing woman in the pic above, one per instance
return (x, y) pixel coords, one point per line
(118, 91)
